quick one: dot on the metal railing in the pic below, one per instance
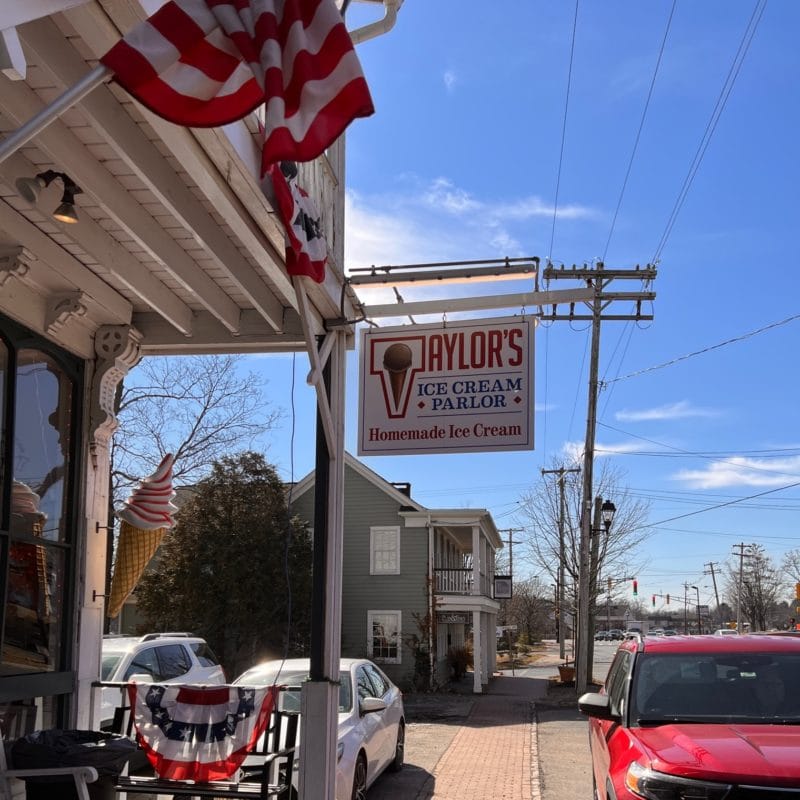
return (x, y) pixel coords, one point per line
(460, 580)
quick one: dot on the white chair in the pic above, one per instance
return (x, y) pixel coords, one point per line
(81, 775)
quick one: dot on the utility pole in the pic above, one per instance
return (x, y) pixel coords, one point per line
(711, 566)
(742, 547)
(686, 608)
(561, 472)
(511, 543)
(597, 278)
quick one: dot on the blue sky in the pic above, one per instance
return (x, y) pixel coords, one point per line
(461, 161)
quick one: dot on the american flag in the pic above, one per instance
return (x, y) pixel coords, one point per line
(199, 733)
(205, 63)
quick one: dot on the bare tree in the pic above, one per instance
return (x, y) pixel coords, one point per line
(790, 564)
(200, 408)
(528, 608)
(761, 586)
(540, 511)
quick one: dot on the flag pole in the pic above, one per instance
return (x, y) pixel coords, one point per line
(51, 111)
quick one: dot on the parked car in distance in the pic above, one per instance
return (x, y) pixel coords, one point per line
(656, 632)
(726, 632)
(602, 636)
(669, 632)
(372, 726)
(163, 657)
(697, 716)
(616, 635)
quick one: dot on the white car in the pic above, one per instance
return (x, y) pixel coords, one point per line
(726, 632)
(371, 736)
(162, 657)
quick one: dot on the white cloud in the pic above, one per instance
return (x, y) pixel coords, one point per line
(680, 410)
(418, 222)
(741, 471)
(450, 79)
(444, 195)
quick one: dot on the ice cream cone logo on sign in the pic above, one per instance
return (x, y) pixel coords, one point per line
(144, 520)
(397, 361)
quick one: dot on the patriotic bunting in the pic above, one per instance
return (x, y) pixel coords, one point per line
(199, 733)
(306, 249)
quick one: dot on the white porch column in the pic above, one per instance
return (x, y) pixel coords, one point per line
(477, 653)
(477, 633)
(117, 350)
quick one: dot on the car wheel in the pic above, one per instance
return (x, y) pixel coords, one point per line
(360, 779)
(399, 749)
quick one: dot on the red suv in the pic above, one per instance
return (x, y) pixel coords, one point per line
(701, 717)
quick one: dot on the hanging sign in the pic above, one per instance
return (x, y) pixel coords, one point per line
(456, 387)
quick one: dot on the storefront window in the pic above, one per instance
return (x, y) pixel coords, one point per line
(39, 530)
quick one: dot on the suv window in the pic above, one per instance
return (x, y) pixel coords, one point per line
(173, 661)
(145, 662)
(617, 680)
(205, 654)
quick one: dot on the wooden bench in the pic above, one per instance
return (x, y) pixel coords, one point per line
(269, 775)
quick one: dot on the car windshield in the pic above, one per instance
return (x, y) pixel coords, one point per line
(109, 665)
(268, 674)
(718, 687)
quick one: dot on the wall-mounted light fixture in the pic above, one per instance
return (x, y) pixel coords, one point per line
(29, 189)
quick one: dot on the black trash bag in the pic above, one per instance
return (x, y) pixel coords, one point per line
(106, 752)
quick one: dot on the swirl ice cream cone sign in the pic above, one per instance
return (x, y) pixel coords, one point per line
(463, 386)
(145, 517)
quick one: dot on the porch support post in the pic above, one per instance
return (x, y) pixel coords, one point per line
(477, 631)
(320, 694)
(477, 653)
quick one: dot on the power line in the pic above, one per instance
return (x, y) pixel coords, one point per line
(729, 462)
(564, 127)
(734, 340)
(722, 100)
(639, 132)
(722, 505)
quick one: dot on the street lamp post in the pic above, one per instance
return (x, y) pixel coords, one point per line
(603, 515)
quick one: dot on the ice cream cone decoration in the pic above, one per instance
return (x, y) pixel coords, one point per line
(144, 520)
(396, 361)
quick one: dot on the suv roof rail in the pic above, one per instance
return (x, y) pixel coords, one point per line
(148, 637)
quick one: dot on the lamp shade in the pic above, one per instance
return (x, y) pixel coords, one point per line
(607, 511)
(29, 188)
(66, 213)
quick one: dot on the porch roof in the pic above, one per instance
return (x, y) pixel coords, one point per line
(175, 236)
(458, 522)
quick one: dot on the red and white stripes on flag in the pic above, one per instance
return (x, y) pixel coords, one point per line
(199, 733)
(205, 63)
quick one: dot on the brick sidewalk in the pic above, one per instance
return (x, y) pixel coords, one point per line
(494, 752)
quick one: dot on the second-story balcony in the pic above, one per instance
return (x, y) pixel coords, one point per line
(460, 580)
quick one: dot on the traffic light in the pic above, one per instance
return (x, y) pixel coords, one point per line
(609, 585)
(635, 587)
(654, 601)
(667, 599)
